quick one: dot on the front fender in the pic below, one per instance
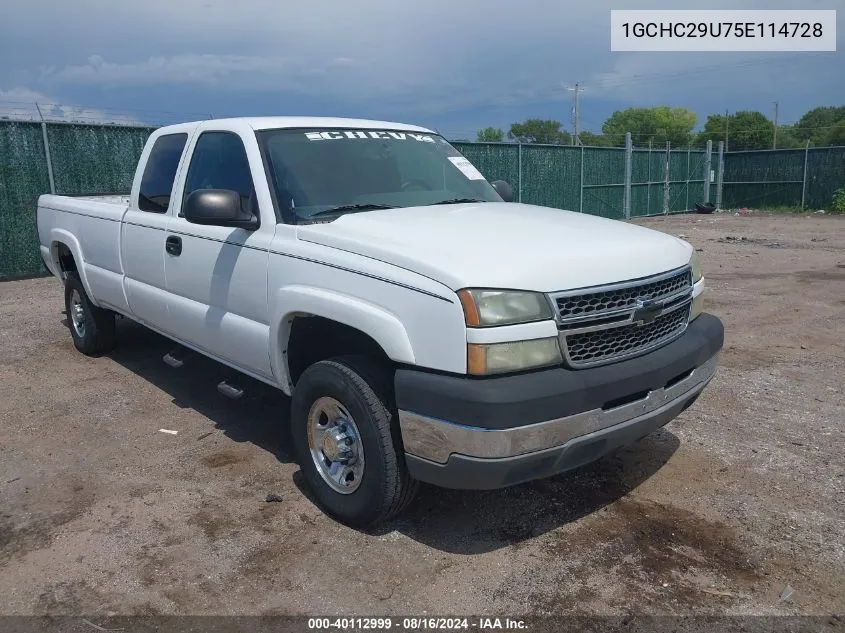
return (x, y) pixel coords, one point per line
(378, 323)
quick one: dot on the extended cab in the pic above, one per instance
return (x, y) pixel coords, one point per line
(426, 327)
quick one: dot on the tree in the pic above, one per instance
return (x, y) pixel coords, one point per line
(788, 138)
(597, 140)
(819, 125)
(490, 135)
(714, 130)
(750, 130)
(539, 131)
(746, 130)
(658, 124)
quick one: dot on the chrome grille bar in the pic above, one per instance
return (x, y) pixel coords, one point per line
(605, 324)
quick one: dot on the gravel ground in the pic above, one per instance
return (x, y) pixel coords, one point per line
(742, 495)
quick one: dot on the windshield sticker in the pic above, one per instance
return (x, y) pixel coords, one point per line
(466, 167)
(336, 135)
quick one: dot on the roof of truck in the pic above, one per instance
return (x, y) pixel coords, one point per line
(275, 122)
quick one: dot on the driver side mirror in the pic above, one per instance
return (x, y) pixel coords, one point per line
(503, 189)
(219, 207)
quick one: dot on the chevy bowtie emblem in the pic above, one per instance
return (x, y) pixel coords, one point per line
(647, 310)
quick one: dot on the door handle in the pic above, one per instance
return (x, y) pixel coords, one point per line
(173, 245)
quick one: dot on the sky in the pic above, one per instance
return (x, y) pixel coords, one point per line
(453, 65)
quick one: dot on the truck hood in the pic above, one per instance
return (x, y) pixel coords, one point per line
(504, 245)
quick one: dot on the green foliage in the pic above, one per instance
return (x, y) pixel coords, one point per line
(822, 126)
(597, 140)
(788, 138)
(490, 135)
(747, 130)
(838, 203)
(836, 134)
(539, 131)
(658, 124)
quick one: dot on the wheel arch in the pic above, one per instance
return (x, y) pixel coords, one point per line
(65, 255)
(373, 322)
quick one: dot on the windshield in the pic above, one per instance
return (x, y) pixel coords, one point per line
(323, 173)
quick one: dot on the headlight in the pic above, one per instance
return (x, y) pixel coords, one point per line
(497, 358)
(696, 268)
(484, 308)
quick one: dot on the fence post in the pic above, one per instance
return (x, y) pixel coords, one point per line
(686, 189)
(804, 177)
(720, 175)
(519, 178)
(629, 159)
(581, 182)
(666, 179)
(47, 151)
(708, 163)
(648, 180)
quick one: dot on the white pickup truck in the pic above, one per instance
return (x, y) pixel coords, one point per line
(426, 327)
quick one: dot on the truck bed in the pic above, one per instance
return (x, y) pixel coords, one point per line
(93, 224)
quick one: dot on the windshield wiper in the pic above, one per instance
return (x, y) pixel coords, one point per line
(458, 201)
(350, 207)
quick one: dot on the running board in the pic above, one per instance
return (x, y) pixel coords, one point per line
(229, 390)
(176, 357)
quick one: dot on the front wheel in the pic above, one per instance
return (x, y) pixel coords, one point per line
(347, 441)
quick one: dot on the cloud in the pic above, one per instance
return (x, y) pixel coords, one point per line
(429, 60)
(30, 105)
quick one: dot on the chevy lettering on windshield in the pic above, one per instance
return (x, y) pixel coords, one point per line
(336, 135)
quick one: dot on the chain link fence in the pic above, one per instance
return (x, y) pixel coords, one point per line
(620, 183)
(805, 178)
(612, 182)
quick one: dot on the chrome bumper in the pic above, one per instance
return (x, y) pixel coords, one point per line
(435, 440)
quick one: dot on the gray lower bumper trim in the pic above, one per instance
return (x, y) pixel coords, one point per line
(475, 473)
(435, 440)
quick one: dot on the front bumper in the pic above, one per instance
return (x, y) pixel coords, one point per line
(488, 433)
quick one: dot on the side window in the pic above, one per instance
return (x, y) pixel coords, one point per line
(219, 162)
(160, 172)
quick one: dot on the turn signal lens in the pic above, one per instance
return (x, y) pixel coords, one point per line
(485, 308)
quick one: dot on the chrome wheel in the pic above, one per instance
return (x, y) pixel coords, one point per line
(335, 445)
(77, 313)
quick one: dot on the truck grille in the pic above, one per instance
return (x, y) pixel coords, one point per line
(601, 345)
(608, 323)
(626, 297)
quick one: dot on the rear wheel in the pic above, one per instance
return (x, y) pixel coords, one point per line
(347, 441)
(92, 328)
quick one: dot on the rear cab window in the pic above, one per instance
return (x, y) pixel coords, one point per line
(160, 173)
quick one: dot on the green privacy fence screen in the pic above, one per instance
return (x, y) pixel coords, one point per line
(789, 178)
(84, 159)
(87, 158)
(23, 177)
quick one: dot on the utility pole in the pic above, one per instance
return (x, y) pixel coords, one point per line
(576, 113)
(726, 130)
(775, 137)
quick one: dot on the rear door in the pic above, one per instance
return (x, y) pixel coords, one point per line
(217, 276)
(142, 241)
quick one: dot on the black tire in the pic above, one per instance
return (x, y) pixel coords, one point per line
(97, 333)
(364, 389)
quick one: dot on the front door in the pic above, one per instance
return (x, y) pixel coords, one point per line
(217, 276)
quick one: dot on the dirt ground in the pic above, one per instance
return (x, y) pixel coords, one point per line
(742, 495)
